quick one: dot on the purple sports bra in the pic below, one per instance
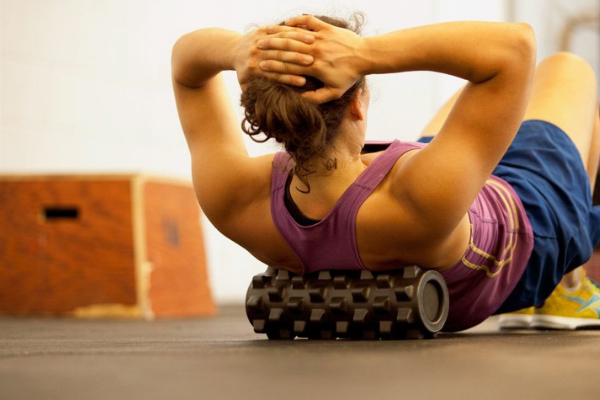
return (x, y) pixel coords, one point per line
(500, 245)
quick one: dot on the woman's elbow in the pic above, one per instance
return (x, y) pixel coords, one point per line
(176, 53)
(524, 43)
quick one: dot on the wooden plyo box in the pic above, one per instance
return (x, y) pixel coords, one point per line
(101, 246)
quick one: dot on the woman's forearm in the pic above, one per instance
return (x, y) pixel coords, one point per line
(200, 55)
(475, 51)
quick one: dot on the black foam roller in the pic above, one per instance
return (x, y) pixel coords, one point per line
(409, 303)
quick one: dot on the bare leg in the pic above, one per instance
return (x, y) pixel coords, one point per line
(564, 93)
(573, 279)
(438, 120)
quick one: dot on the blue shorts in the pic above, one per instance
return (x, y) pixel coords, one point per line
(545, 169)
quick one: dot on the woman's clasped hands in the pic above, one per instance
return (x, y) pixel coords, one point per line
(304, 46)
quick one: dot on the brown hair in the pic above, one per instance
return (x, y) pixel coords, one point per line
(280, 112)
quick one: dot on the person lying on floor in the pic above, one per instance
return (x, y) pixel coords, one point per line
(496, 195)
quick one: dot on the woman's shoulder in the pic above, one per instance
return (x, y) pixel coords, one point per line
(249, 183)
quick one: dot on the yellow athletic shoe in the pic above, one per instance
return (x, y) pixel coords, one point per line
(566, 309)
(521, 319)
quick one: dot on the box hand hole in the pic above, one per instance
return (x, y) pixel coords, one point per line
(60, 213)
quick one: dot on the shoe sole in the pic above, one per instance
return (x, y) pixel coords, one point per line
(515, 321)
(563, 323)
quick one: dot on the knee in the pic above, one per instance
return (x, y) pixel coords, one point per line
(570, 63)
(565, 57)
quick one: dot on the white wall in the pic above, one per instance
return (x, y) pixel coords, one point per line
(85, 86)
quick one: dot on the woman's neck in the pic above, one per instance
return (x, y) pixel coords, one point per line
(327, 179)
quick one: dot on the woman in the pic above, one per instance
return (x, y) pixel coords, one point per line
(503, 227)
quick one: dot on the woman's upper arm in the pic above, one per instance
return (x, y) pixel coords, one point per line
(442, 180)
(225, 177)
(223, 173)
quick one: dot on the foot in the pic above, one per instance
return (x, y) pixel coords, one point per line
(566, 309)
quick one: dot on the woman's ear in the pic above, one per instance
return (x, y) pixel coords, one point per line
(356, 106)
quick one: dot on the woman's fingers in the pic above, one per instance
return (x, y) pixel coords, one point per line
(292, 80)
(288, 53)
(322, 95)
(283, 47)
(308, 22)
(280, 43)
(288, 32)
(287, 56)
(282, 67)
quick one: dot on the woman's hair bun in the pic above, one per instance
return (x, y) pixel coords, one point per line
(280, 112)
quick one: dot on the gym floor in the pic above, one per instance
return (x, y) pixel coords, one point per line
(222, 358)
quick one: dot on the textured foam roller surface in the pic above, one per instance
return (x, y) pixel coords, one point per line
(405, 304)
